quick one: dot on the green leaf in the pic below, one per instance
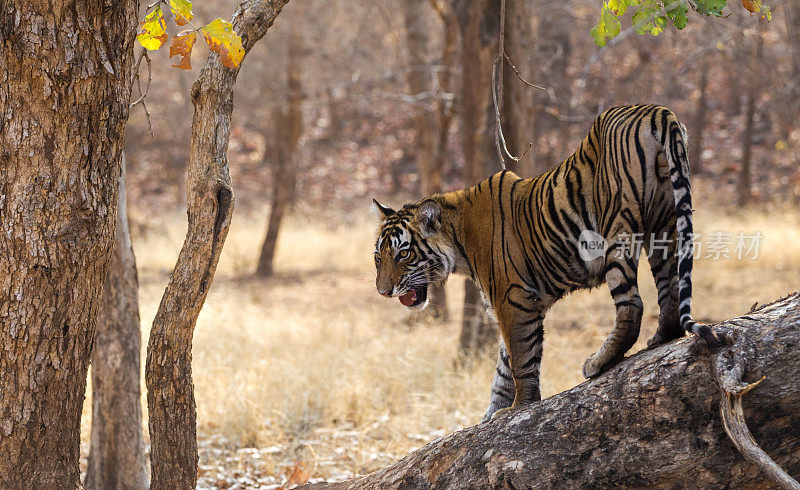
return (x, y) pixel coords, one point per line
(153, 30)
(607, 27)
(223, 40)
(641, 21)
(598, 35)
(618, 7)
(711, 7)
(653, 16)
(182, 10)
(678, 15)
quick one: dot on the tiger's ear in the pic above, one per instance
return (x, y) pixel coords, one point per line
(382, 211)
(429, 218)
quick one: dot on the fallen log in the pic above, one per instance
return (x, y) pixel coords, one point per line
(654, 420)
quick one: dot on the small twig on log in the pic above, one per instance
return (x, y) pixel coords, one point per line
(729, 371)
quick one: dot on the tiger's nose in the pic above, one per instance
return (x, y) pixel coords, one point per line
(385, 292)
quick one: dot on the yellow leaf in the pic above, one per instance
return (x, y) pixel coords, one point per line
(181, 45)
(153, 30)
(182, 10)
(223, 40)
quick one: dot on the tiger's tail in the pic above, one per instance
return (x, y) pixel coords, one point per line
(675, 149)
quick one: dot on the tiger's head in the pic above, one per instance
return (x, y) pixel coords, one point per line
(411, 252)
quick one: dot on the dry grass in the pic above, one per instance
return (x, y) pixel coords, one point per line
(313, 365)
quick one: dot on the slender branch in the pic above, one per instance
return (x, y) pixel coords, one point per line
(520, 76)
(499, 137)
(143, 93)
(498, 93)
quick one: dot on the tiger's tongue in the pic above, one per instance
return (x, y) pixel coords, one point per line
(408, 298)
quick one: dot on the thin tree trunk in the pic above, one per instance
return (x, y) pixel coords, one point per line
(168, 372)
(696, 137)
(736, 68)
(288, 123)
(116, 456)
(551, 69)
(478, 331)
(65, 70)
(445, 109)
(419, 79)
(747, 140)
(792, 12)
(420, 82)
(479, 24)
(518, 105)
(652, 421)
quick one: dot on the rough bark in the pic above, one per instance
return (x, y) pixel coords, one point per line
(65, 71)
(288, 123)
(168, 372)
(116, 456)
(426, 121)
(479, 24)
(651, 421)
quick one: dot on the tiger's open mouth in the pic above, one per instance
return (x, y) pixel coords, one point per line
(414, 297)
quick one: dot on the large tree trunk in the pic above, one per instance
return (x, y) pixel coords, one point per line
(288, 125)
(651, 421)
(479, 22)
(65, 70)
(116, 456)
(168, 372)
(420, 81)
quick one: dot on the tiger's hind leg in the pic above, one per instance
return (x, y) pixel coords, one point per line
(522, 331)
(661, 253)
(502, 394)
(621, 276)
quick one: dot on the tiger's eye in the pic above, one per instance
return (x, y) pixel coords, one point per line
(403, 254)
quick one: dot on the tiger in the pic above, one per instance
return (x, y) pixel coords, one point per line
(523, 242)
